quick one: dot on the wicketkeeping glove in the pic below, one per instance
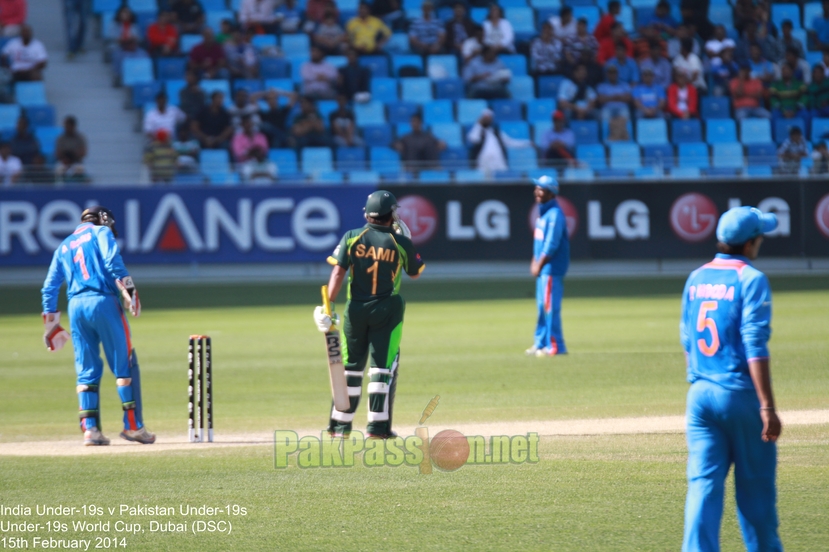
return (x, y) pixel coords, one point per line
(130, 294)
(323, 321)
(54, 336)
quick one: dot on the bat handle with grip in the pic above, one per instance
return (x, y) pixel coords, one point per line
(326, 303)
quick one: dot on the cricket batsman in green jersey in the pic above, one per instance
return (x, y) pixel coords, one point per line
(374, 257)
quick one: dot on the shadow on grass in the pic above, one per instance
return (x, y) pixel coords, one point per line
(21, 300)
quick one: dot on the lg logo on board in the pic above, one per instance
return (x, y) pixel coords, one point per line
(822, 215)
(694, 217)
(420, 216)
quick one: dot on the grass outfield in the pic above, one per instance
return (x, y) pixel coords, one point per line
(463, 341)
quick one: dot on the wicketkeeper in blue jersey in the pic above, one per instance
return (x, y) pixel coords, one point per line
(551, 259)
(731, 418)
(97, 281)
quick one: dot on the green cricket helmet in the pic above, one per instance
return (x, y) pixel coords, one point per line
(380, 203)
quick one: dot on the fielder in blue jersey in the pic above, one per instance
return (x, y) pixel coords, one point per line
(551, 259)
(90, 264)
(731, 418)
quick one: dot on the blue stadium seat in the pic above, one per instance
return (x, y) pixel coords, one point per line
(478, 15)
(30, 93)
(102, 6)
(540, 129)
(781, 12)
(454, 158)
(442, 67)
(593, 155)
(214, 19)
(251, 85)
(469, 111)
(369, 113)
(416, 89)
(279, 84)
(728, 155)
(513, 3)
(541, 110)
(718, 131)
(755, 131)
(296, 45)
(642, 3)
(694, 154)
(651, 132)
(515, 63)
(142, 94)
(662, 155)
(685, 131)
(405, 60)
(285, 160)
(720, 14)
(449, 89)
(507, 110)
(811, 11)
(552, 4)
(614, 174)
(522, 159)
(762, 155)
(643, 13)
(263, 41)
(626, 18)
(686, 173)
(196, 179)
(316, 160)
(351, 159)
(398, 43)
(274, 68)
(548, 86)
(716, 107)
(587, 132)
(331, 178)
(516, 129)
(325, 108)
(212, 85)
(625, 156)
(591, 13)
(224, 179)
(350, 5)
(758, 171)
(214, 162)
(337, 61)
(363, 177)
(649, 172)
(401, 112)
(782, 126)
(133, 71)
(438, 177)
(510, 175)
(188, 41)
(46, 136)
(469, 176)
(522, 88)
(402, 129)
(438, 111)
(581, 174)
(142, 5)
(378, 65)
(296, 66)
(449, 133)
(377, 134)
(173, 88)
(169, 68)
(386, 161)
(820, 129)
(384, 89)
(40, 115)
(722, 172)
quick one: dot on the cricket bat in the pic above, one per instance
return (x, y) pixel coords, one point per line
(336, 370)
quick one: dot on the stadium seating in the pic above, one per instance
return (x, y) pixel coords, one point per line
(507, 110)
(364, 177)
(469, 111)
(715, 107)
(727, 155)
(651, 132)
(541, 110)
(438, 111)
(686, 131)
(592, 155)
(399, 112)
(719, 131)
(450, 133)
(315, 160)
(586, 132)
(755, 131)
(417, 89)
(449, 89)
(378, 65)
(625, 156)
(285, 160)
(442, 67)
(693, 155)
(351, 159)
(516, 129)
(369, 113)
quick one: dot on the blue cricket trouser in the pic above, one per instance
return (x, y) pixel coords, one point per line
(97, 320)
(724, 428)
(548, 333)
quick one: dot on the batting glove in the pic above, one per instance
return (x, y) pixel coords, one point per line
(130, 294)
(54, 336)
(323, 321)
(400, 227)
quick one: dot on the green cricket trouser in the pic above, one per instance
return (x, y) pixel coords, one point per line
(371, 330)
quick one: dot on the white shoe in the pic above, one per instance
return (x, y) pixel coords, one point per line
(139, 436)
(532, 351)
(94, 438)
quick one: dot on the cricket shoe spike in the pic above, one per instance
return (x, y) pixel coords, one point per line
(139, 436)
(94, 438)
(389, 435)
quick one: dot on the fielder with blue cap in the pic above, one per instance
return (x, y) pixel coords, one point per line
(731, 417)
(551, 259)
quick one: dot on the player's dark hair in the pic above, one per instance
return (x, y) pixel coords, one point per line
(734, 249)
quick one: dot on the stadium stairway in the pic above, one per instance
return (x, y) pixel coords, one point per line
(82, 87)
